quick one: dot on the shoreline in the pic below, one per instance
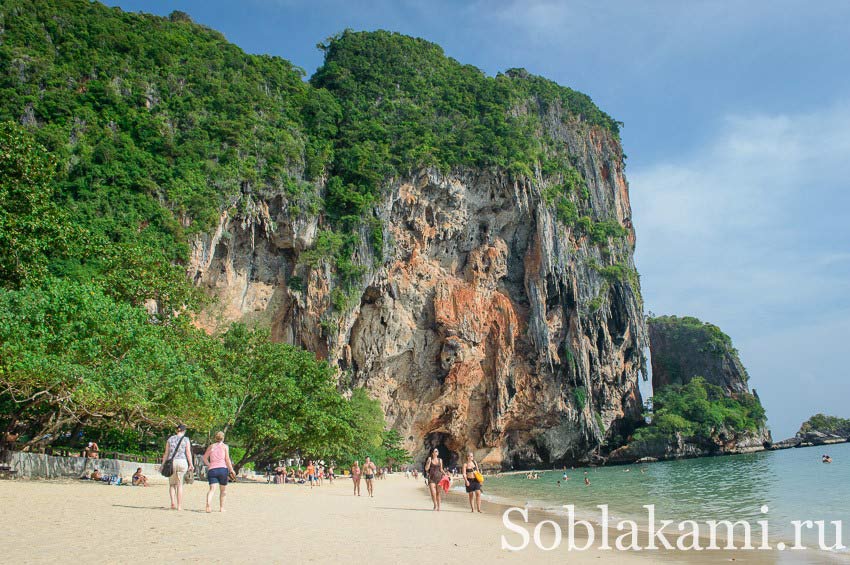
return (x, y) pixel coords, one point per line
(683, 458)
(536, 515)
(56, 520)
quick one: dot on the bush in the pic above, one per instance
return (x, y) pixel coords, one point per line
(580, 397)
(700, 409)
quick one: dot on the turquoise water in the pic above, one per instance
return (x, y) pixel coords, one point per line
(793, 483)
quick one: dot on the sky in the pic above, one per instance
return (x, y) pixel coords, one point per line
(737, 132)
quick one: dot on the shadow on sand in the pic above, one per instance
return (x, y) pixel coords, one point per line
(165, 508)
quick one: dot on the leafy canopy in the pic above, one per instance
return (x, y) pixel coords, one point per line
(700, 409)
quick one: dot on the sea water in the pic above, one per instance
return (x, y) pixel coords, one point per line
(794, 485)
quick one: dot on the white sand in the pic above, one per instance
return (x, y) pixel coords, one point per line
(79, 521)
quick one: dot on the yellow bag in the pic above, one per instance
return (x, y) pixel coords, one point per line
(479, 477)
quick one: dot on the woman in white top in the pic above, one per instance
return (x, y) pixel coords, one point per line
(181, 448)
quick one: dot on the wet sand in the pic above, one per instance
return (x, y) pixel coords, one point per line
(59, 521)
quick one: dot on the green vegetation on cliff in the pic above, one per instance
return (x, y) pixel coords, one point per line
(709, 337)
(826, 424)
(701, 410)
(159, 125)
(685, 346)
(154, 128)
(405, 105)
(80, 359)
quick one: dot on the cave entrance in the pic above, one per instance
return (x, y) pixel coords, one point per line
(444, 443)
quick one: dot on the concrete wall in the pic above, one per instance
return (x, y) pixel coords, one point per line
(39, 466)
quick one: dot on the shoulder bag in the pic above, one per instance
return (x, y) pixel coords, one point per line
(168, 467)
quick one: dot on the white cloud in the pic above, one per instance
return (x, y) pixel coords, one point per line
(749, 232)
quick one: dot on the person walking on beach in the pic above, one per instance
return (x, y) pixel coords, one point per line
(179, 449)
(473, 486)
(355, 477)
(311, 473)
(434, 472)
(369, 470)
(219, 467)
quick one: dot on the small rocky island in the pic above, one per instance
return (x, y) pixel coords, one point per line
(818, 430)
(702, 404)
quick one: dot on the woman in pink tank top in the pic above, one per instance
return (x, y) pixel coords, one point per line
(219, 468)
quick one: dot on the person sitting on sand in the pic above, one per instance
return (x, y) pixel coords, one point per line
(139, 480)
(434, 472)
(355, 477)
(473, 487)
(96, 475)
(369, 471)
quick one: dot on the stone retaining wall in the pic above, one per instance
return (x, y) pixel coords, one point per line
(40, 466)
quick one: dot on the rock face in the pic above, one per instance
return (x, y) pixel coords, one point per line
(684, 348)
(818, 430)
(487, 325)
(724, 442)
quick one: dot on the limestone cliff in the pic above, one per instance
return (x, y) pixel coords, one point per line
(729, 418)
(684, 348)
(488, 325)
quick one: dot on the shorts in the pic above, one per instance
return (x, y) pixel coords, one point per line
(473, 486)
(180, 467)
(368, 477)
(217, 475)
(312, 478)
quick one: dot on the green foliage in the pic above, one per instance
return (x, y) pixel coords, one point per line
(161, 124)
(157, 123)
(31, 225)
(827, 424)
(710, 338)
(296, 283)
(600, 423)
(337, 249)
(279, 399)
(700, 409)
(70, 354)
(367, 420)
(580, 397)
(406, 105)
(618, 273)
(597, 302)
(391, 452)
(155, 126)
(601, 232)
(562, 195)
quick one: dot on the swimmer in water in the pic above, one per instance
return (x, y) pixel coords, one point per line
(587, 481)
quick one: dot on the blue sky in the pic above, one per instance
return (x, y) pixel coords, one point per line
(737, 134)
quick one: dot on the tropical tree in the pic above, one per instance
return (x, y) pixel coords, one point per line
(31, 225)
(70, 355)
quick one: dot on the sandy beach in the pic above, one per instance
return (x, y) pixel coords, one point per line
(57, 521)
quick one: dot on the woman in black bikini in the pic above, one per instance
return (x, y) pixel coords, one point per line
(473, 487)
(434, 470)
